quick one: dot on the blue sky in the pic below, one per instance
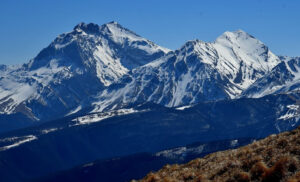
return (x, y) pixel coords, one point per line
(27, 26)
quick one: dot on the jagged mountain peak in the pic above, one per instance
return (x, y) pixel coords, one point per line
(237, 55)
(114, 24)
(110, 28)
(244, 52)
(191, 44)
(226, 37)
(90, 38)
(76, 65)
(241, 40)
(234, 35)
(86, 26)
(236, 45)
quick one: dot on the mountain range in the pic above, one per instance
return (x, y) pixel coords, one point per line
(103, 92)
(109, 67)
(196, 72)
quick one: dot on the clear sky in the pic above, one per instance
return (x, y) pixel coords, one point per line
(27, 26)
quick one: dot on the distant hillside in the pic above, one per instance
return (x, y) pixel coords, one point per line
(273, 159)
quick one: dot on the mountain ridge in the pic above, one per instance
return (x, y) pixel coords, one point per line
(109, 67)
(198, 71)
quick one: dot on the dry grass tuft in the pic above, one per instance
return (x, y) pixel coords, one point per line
(242, 177)
(273, 159)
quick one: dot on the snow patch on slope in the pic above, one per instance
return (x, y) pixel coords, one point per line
(180, 152)
(97, 117)
(46, 131)
(107, 66)
(293, 112)
(20, 141)
(184, 107)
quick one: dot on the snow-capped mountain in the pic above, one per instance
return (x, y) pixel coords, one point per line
(109, 50)
(73, 67)
(284, 77)
(109, 67)
(198, 71)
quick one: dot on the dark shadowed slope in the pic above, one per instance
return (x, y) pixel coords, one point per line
(62, 144)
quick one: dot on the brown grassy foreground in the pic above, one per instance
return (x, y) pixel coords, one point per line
(273, 159)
